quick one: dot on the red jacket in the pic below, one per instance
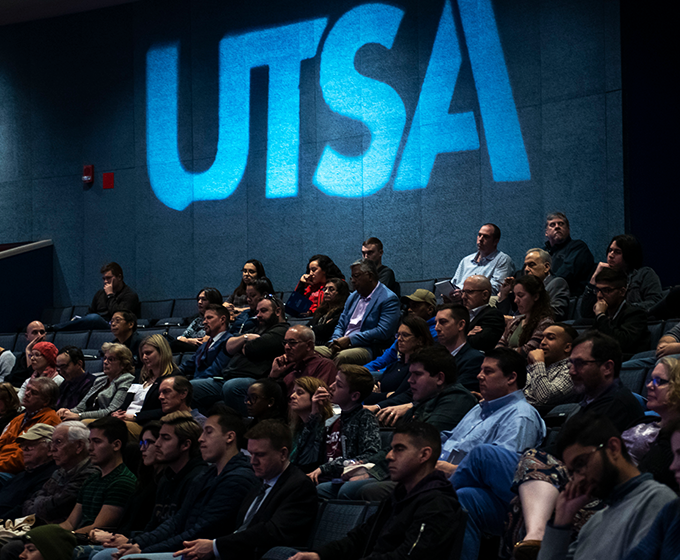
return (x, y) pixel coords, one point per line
(11, 456)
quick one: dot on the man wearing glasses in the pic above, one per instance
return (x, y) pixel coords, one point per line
(600, 466)
(487, 323)
(300, 360)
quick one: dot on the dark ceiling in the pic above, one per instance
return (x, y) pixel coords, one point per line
(15, 11)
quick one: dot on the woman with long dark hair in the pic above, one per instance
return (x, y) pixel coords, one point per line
(525, 332)
(312, 283)
(251, 271)
(328, 313)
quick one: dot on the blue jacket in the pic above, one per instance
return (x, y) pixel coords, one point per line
(380, 321)
(211, 363)
(391, 354)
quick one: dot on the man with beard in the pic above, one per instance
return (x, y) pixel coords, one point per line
(252, 355)
(593, 452)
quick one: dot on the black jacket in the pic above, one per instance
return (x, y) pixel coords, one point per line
(419, 525)
(285, 518)
(258, 355)
(573, 261)
(105, 306)
(492, 322)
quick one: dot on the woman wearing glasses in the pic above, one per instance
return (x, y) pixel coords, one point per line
(251, 271)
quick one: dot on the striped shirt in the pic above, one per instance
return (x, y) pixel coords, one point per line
(114, 489)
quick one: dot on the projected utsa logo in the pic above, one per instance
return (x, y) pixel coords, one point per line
(348, 93)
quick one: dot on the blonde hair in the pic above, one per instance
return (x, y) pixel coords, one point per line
(672, 366)
(167, 366)
(310, 385)
(123, 354)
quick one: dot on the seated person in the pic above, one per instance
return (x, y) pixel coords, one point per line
(422, 515)
(43, 362)
(114, 296)
(194, 335)
(77, 382)
(614, 316)
(413, 335)
(10, 405)
(661, 541)
(312, 283)
(669, 343)
(176, 395)
(299, 359)
(141, 403)
(214, 498)
(109, 390)
(572, 260)
(525, 332)
(210, 356)
(548, 379)
(354, 435)
(70, 451)
(48, 542)
(537, 262)
(124, 331)
(38, 467)
(246, 321)
(103, 497)
(327, 315)
(486, 324)
(372, 249)
(421, 303)
(307, 421)
(591, 448)
(39, 397)
(251, 271)
(487, 261)
(368, 321)
(7, 361)
(266, 400)
(22, 370)
(643, 288)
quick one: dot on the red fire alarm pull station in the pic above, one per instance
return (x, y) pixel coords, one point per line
(107, 180)
(88, 174)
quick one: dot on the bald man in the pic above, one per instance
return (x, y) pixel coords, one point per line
(486, 323)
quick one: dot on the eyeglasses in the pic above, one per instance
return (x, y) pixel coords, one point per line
(291, 343)
(145, 443)
(657, 382)
(581, 461)
(403, 336)
(251, 399)
(110, 359)
(606, 291)
(578, 363)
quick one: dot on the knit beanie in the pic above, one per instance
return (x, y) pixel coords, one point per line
(53, 542)
(49, 351)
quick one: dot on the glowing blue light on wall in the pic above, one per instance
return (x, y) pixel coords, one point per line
(350, 94)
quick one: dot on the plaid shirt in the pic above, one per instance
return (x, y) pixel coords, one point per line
(548, 386)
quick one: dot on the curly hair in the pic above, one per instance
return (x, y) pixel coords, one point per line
(672, 366)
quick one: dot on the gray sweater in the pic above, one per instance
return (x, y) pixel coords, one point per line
(612, 532)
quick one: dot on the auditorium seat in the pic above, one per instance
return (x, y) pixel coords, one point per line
(151, 311)
(669, 324)
(634, 378)
(71, 338)
(185, 308)
(94, 366)
(80, 310)
(410, 286)
(8, 340)
(97, 338)
(21, 342)
(655, 333)
(54, 315)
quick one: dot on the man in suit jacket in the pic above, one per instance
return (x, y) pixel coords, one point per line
(369, 321)
(538, 263)
(486, 324)
(279, 512)
(452, 319)
(210, 357)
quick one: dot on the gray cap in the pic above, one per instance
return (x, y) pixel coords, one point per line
(37, 432)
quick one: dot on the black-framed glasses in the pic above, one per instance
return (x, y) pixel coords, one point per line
(578, 363)
(145, 443)
(606, 290)
(581, 461)
(657, 382)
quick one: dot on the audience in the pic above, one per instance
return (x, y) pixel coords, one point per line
(422, 514)
(571, 258)
(525, 332)
(368, 321)
(548, 380)
(452, 320)
(354, 435)
(487, 261)
(124, 331)
(9, 405)
(372, 249)
(412, 335)
(49, 542)
(43, 362)
(194, 335)
(614, 316)
(592, 450)
(643, 287)
(39, 397)
(114, 296)
(210, 357)
(108, 392)
(299, 359)
(313, 282)
(141, 403)
(176, 395)
(7, 362)
(77, 382)
(307, 421)
(327, 315)
(486, 324)
(246, 321)
(266, 400)
(252, 270)
(22, 370)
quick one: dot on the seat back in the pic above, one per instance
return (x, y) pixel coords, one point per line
(336, 519)
(656, 329)
(54, 315)
(8, 340)
(185, 307)
(154, 310)
(410, 286)
(633, 378)
(71, 338)
(97, 338)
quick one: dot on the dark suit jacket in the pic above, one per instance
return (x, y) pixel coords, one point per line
(380, 320)
(493, 326)
(285, 518)
(211, 364)
(469, 363)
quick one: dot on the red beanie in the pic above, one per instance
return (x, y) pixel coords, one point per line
(49, 351)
